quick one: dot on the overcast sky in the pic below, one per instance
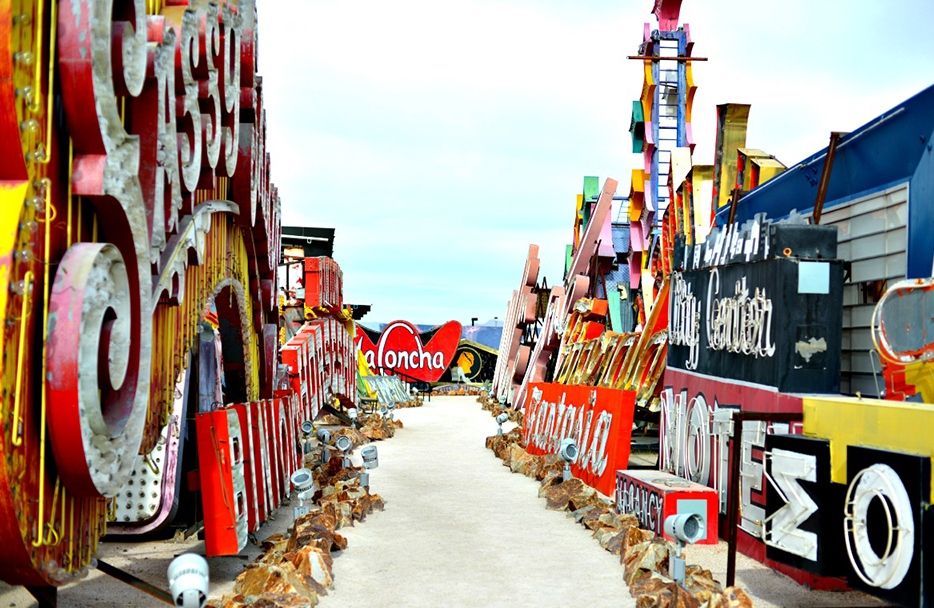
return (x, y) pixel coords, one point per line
(441, 137)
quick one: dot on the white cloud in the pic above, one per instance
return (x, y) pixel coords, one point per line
(441, 138)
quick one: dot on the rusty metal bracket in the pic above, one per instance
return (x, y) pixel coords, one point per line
(137, 583)
(339, 414)
(835, 138)
(662, 58)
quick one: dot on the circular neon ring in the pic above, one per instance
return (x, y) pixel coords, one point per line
(886, 571)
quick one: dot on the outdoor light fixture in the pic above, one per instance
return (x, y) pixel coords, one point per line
(352, 414)
(370, 461)
(686, 529)
(568, 452)
(501, 420)
(344, 444)
(188, 580)
(324, 436)
(304, 483)
(307, 429)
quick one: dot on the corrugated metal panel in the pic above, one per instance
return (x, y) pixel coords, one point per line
(858, 362)
(856, 339)
(851, 294)
(857, 317)
(872, 235)
(890, 266)
(874, 245)
(864, 384)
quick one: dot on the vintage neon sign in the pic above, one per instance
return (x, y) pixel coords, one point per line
(402, 349)
(598, 419)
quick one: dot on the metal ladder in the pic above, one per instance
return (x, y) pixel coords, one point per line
(667, 96)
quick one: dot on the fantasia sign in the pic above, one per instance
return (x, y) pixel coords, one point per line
(599, 419)
(401, 348)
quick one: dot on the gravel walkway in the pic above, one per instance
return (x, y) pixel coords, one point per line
(462, 530)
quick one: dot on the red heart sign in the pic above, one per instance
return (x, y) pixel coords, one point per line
(400, 349)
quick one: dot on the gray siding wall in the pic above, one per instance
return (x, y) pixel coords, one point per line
(872, 236)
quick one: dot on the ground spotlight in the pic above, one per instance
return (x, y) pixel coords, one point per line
(304, 483)
(501, 420)
(686, 529)
(324, 436)
(307, 429)
(188, 580)
(344, 444)
(568, 452)
(370, 461)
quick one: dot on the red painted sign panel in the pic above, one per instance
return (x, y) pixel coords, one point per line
(652, 496)
(402, 349)
(598, 419)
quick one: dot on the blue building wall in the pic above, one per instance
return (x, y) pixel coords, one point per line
(895, 148)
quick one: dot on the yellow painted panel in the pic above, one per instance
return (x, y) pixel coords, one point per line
(636, 195)
(768, 168)
(12, 196)
(648, 288)
(701, 186)
(692, 90)
(753, 153)
(638, 180)
(875, 423)
(635, 211)
(680, 165)
(648, 94)
(730, 138)
(921, 375)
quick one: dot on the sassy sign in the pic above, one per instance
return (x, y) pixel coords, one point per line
(402, 349)
(598, 419)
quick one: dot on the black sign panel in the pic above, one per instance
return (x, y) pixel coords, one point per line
(887, 516)
(775, 322)
(814, 544)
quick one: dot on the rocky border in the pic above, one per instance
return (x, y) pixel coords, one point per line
(643, 554)
(295, 569)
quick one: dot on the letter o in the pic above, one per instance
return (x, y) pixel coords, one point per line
(887, 571)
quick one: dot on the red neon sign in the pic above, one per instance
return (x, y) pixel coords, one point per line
(598, 419)
(401, 348)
